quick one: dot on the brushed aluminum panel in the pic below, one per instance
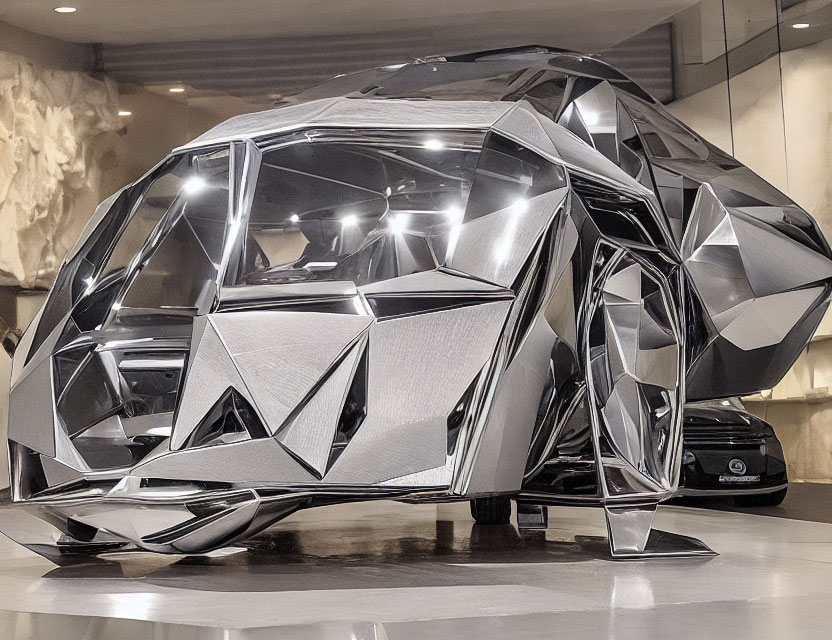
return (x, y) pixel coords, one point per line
(281, 356)
(210, 374)
(419, 367)
(31, 410)
(261, 461)
(343, 112)
(310, 433)
(431, 282)
(496, 246)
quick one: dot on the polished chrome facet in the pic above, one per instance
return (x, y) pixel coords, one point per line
(496, 274)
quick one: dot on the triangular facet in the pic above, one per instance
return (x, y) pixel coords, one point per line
(231, 419)
(282, 356)
(309, 434)
(354, 409)
(57, 472)
(210, 374)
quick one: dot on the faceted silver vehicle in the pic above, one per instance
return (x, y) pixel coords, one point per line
(491, 277)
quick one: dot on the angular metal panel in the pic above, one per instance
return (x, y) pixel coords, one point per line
(251, 125)
(757, 242)
(292, 290)
(575, 153)
(437, 477)
(504, 446)
(310, 433)
(58, 473)
(31, 410)
(766, 321)
(281, 356)
(432, 282)
(629, 527)
(21, 354)
(210, 373)
(419, 368)
(560, 311)
(408, 114)
(521, 125)
(127, 521)
(42, 354)
(261, 461)
(750, 299)
(352, 113)
(66, 453)
(496, 246)
(599, 111)
(215, 531)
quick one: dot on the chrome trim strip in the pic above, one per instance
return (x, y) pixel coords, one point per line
(691, 493)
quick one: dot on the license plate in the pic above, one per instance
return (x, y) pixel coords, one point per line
(739, 479)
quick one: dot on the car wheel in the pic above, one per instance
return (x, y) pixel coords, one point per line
(493, 510)
(762, 500)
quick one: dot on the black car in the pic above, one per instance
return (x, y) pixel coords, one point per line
(730, 452)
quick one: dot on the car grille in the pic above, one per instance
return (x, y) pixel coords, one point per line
(708, 432)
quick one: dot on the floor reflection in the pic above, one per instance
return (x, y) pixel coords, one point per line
(330, 555)
(387, 571)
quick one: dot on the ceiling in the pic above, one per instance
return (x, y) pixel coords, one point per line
(260, 50)
(262, 71)
(585, 25)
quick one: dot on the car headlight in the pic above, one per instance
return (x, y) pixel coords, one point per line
(688, 457)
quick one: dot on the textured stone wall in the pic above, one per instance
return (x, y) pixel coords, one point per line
(56, 144)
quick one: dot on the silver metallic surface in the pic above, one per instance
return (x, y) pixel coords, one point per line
(409, 290)
(344, 113)
(629, 527)
(409, 398)
(310, 433)
(740, 491)
(31, 410)
(495, 246)
(635, 380)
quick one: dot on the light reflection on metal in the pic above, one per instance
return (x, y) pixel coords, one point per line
(511, 291)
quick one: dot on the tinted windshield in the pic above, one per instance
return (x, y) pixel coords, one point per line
(364, 208)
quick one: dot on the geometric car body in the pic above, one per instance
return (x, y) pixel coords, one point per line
(498, 274)
(730, 452)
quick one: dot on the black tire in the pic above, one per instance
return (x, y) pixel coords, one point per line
(762, 499)
(493, 510)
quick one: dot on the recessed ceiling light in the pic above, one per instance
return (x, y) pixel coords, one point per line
(801, 25)
(124, 114)
(177, 89)
(65, 9)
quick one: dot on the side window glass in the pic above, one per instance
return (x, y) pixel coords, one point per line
(179, 276)
(157, 198)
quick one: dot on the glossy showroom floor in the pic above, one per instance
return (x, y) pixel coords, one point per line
(391, 571)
